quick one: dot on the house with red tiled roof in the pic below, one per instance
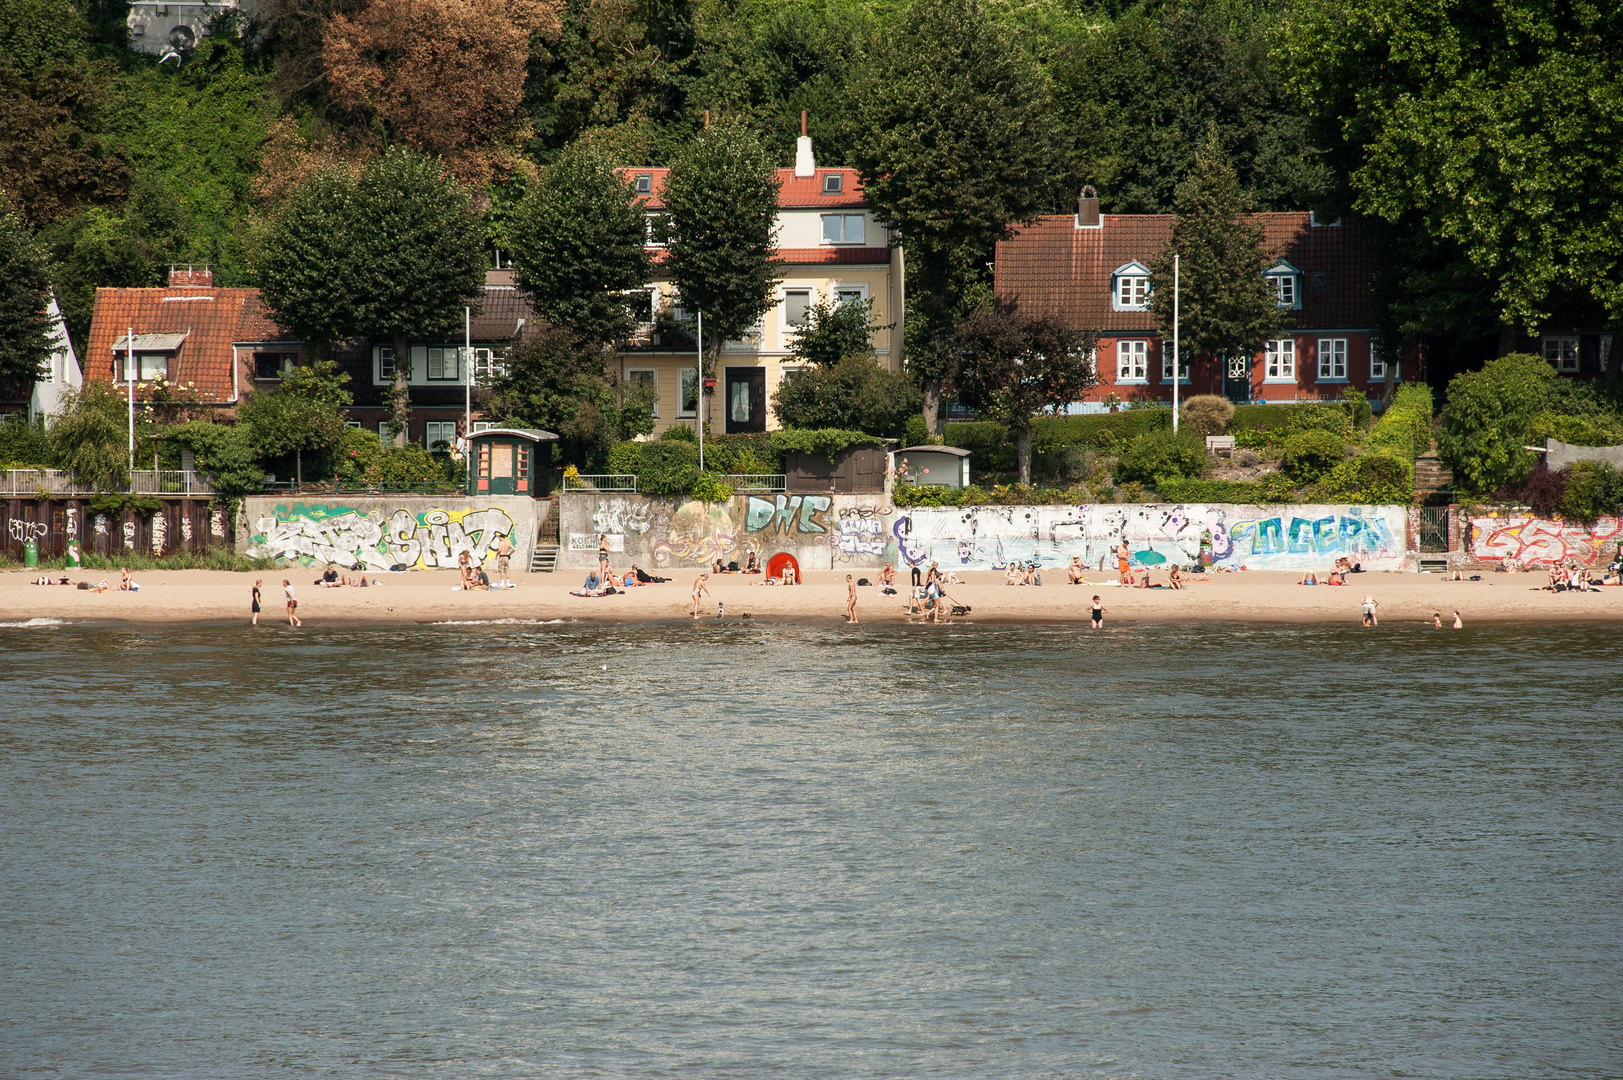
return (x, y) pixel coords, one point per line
(224, 344)
(833, 250)
(1092, 269)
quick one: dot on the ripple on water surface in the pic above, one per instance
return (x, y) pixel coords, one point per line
(742, 849)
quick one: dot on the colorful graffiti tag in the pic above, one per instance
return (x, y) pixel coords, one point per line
(1534, 541)
(786, 514)
(323, 534)
(991, 537)
(701, 533)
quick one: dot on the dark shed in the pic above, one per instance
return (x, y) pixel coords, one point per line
(854, 470)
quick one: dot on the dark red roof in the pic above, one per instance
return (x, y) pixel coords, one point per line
(1055, 266)
(795, 192)
(212, 320)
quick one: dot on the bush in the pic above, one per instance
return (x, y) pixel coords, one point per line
(1209, 491)
(23, 445)
(1591, 430)
(928, 495)
(1261, 417)
(916, 433)
(1373, 478)
(625, 457)
(680, 433)
(1590, 490)
(668, 467)
(708, 487)
(855, 394)
(1161, 454)
(1489, 418)
(1320, 417)
(744, 453)
(1310, 454)
(1206, 414)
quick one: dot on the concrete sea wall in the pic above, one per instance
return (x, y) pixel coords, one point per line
(381, 532)
(1497, 535)
(828, 532)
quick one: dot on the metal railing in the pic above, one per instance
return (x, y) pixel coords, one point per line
(170, 482)
(770, 482)
(51, 481)
(600, 482)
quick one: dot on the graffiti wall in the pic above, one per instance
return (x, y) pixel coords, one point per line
(1534, 541)
(827, 532)
(383, 533)
(1254, 537)
(822, 532)
(179, 524)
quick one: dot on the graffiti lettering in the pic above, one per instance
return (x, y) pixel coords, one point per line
(1535, 541)
(786, 513)
(329, 534)
(23, 531)
(620, 516)
(160, 533)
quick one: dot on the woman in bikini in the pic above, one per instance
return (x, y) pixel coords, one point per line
(698, 588)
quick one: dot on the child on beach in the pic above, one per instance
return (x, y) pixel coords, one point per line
(256, 600)
(698, 589)
(1098, 613)
(292, 604)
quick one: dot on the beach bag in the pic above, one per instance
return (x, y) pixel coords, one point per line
(863, 581)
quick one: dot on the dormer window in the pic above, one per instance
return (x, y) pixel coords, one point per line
(645, 183)
(833, 183)
(1285, 283)
(1130, 287)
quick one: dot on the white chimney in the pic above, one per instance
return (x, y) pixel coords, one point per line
(805, 164)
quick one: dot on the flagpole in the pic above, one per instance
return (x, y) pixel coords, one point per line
(1174, 344)
(698, 410)
(129, 378)
(467, 378)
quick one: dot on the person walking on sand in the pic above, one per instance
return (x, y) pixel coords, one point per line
(1097, 613)
(850, 600)
(256, 600)
(698, 589)
(292, 604)
(504, 558)
(1370, 604)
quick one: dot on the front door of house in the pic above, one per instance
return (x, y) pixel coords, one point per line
(1237, 378)
(746, 399)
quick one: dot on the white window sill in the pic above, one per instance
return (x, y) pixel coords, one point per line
(1183, 380)
(1132, 382)
(1332, 379)
(1118, 307)
(1279, 382)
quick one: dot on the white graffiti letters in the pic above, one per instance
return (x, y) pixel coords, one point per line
(436, 539)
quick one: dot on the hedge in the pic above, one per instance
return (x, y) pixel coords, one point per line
(1378, 478)
(993, 448)
(1404, 429)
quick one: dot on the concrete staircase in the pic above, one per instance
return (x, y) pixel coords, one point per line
(545, 558)
(1430, 474)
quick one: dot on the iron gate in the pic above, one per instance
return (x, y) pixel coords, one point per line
(1434, 528)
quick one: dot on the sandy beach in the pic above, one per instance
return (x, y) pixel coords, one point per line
(431, 596)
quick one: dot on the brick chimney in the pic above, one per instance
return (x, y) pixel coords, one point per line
(805, 164)
(1087, 209)
(188, 276)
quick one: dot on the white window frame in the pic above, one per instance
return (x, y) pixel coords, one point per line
(448, 355)
(845, 238)
(654, 371)
(483, 425)
(788, 372)
(383, 364)
(1555, 349)
(1330, 350)
(642, 183)
(356, 424)
(833, 183)
(136, 365)
(383, 432)
(650, 239)
(440, 425)
(1377, 369)
(1166, 367)
(1284, 278)
(1133, 361)
(687, 374)
(653, 302)
(785, 327)
(858, 287)
(1130, 287)
(488, 364)
(1279, 360)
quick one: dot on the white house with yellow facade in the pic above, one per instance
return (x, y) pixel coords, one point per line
(832, 249)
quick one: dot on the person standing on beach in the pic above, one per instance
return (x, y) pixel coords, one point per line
(1123, 564)
(850, 600)
(256, 600)
(1370, 604)
(1097, 613)
(602, 555)
(698, 588)
(504, 558)
(292, 604)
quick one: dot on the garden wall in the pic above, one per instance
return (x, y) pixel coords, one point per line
(418, 532)
(180, 524)
(827, 532)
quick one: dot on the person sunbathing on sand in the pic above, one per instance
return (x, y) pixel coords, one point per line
(1309, 578)
(1076, 572)
(1175, 577)
(1011, 576)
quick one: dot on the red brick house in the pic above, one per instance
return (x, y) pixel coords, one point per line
(1093, 270)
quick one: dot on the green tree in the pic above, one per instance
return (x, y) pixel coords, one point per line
(721, 212)
(292, 433)
(403, 253)
(25, 343)
(834, 332)
(560, 384)
(1489, 418)
(853, 394)
(1016, 364)
(1489, 130)
(579, 242)
(91, 437)
(1225, 306)
(956, 141)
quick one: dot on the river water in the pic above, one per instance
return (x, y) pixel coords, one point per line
(753, 850)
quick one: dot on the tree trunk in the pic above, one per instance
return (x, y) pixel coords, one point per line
(1507, 340)
(400, 406)
(1022, 450)
(932, 409)
(1391, 379)
(1614, 362)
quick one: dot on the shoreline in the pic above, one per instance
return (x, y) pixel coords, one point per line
(427, 597)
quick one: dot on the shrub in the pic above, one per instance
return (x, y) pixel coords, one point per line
(1206, 414)
(855, 393)
(1590, 489)
(1311, 453)
(1589, 430)
(1356, 402)
(1320, 417)
(1161, 454)
(680, 433)
(625, 457)
(928, 495)
(23, 445)
(1488, 419)
(917, 434)
(1209, 491)
(668, 467)
(743, 453)
(1372, 478)
(708, 487)
(1260, 417)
